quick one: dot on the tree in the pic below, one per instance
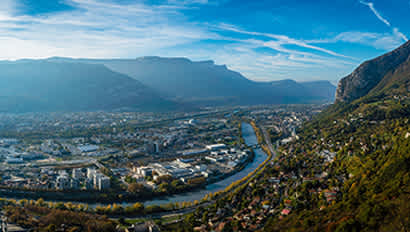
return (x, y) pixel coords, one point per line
(51, 228)
(164, 179)
(164, 187)
(136, 188)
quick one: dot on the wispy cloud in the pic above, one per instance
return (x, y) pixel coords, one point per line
(188, 2)
(114, 29)
(197, 2)
(280, 40)
(399, 34)
(243, 55)
(383, 41)
(96, 29)
(266, 67)
(375, 12)
(104, 28)
(385, 21)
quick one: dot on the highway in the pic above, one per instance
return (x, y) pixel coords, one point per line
(268, 141)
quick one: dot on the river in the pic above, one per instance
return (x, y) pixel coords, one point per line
(250, 139)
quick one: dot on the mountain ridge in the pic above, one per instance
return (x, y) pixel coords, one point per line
(367, 76)
(205, 83)
(144, 84)
(50, 86)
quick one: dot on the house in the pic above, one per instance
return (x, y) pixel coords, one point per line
(288, 202)
(330, 196)
(285, 212)
(201, 228)
(148, 226)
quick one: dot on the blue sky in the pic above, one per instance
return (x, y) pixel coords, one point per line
(262, 39)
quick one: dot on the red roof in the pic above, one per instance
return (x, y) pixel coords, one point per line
(285, 211)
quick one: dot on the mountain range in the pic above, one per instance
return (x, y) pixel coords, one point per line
(204, 82)
(27, 86)
(143, 84)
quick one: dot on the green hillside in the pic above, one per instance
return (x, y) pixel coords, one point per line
(371, 137)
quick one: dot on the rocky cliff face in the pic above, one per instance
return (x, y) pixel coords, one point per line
(370, 73)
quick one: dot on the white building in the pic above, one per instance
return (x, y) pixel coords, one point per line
(9, 141)
(156, 147)
(91, 173)
(193, 151)
(31, 155)
(88, 148)
(12, 160)
(183, 163)
(103, 182)
(144, 171)
(201, 167)
(77, 173)
(214, 158)
(215, 146)
(63, 182)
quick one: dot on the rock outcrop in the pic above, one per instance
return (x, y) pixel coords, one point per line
(370, 73)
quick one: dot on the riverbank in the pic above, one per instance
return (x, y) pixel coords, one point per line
(96, 197)
(249, 136)
(155, 209)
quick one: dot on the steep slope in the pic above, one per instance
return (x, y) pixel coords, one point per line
(370, 173)
(396, 82)
(205, 83)
(48, 86)
(370, 73)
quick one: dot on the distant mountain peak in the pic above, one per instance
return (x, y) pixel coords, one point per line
(182, 60)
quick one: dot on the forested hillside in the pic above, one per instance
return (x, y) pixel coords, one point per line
(369, 174)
